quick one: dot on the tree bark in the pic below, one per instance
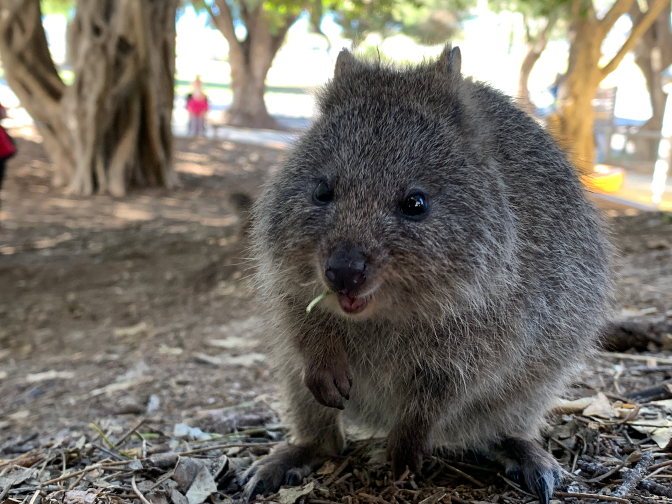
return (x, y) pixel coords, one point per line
(573, 125)
(31, 74)
(653, 54)
(111, 129)
(534, 50)
(250, 61)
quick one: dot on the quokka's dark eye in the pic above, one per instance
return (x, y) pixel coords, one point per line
(415, 206)
(322, 193)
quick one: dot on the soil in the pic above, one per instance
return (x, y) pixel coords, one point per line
(112, 310)
(128, 292)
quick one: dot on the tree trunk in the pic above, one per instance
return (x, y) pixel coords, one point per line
(534, 50)
(653, 54)
(250, 61)
(573, 125)
(576, 94)
(31, 74)
(111, 129)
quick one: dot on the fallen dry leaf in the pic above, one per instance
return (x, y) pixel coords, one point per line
(291, 495)
(202, 487)
(601, 407)
(327, 468)
(565, 407)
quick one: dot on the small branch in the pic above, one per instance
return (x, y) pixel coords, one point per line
(528, 35)
(592, 496)
(619, 8)
(224, 23)
(129, 433)
(137, 492)
(224, 446)
(635, 476)
(71, 475)
(463, 474)
(614, 470)
(371, 498)
(637, 31)
(338, 471)
(540, 45)
(244, 13)
(279, 37)
(662, 464)
(635, 12)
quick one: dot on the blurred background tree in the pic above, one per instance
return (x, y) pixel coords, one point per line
(653, 54)
(573, 125)
(428, 22)
(111, 128)
(264, 25)
(541, 18)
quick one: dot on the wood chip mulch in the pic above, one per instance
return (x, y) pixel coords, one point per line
(612, 440)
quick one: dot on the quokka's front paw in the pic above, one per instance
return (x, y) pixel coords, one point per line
(329, 383)
(287, 465)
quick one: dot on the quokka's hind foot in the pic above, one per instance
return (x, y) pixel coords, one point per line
(529, 464)
(286, 465)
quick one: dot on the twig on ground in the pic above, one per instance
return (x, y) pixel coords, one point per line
(655, 488)
(137, 492)
(342, 478)
(35, 495)
(99, 465)
(224, 446)
(338, 471)
(463, 474)
(76, 482)
(516, 487)
(129, 433)
(563, 445)
(592, 496)
(457, 500)
(372, 498)
(403, 477)
(608, 473)
(110, 453)
(662, 464)
(635, 357)
(5, 491)
(635, 476)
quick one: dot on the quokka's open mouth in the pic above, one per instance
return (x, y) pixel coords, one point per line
(353, 305)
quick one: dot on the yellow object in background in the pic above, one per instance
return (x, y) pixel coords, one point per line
(605, 178)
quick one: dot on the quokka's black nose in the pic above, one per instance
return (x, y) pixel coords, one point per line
(346, 269)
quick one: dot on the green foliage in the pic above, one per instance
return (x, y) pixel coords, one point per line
(427, 21)
(64, 7)
(533, 8)
(277, 11)
(436, 21)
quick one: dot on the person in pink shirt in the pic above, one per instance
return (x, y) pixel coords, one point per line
(7, 146)
(197, 106)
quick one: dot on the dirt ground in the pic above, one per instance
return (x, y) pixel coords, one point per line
(126, 292)
(112, 310)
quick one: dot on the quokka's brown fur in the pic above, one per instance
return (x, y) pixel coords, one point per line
(476, 313)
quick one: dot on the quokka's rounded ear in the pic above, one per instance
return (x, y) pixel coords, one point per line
(451, 61)
(344, 63)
